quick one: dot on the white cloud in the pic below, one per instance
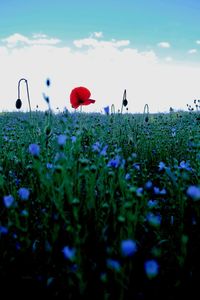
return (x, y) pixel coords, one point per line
(198, 42)
(105, 67)
(192, 51)
(92, 42)
(97, 34)
(164, 45)
(37, 39)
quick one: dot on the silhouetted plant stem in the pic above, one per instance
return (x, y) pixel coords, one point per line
(27, 90)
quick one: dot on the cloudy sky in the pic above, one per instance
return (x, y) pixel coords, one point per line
(151, 48)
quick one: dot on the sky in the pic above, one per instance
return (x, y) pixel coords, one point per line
(151, 48)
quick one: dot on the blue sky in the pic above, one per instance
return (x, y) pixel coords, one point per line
(145, 23)
(160, 39)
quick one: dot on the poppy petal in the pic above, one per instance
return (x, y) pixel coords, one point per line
(80, 96)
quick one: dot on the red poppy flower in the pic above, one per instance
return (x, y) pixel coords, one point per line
(80, 96)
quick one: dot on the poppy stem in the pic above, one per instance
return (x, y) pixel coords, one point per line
(27, 91)
(112, 109)
(124, 97)
(146, 112)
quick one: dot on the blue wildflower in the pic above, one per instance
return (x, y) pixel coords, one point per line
(96, 147)
(34, 149)
(128, 247)
(104, 151)
(62, 140)
(49, 166)
(8, 200)
(151, 268)
(148, 185)
(3, 230)
(139, 191)
(194, 192)
(24, 193)
(69, 253)
(114, 162)
(154, 220)
(24, 213)
(136, 166)
(107, 110)
(152, 203)
(73, 138)
(185, 165)
(127, 176)
(113, 264)
(161, 166)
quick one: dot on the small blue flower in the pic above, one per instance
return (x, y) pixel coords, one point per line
(114, 162)
(49, 166)
(24, 193)
(148, 185)
(113, 264)
(96, 147)
(127, 176)
(34, 149)
(136, 166)
(69, 253)
(139, 191)
(73, 138)
(194, 192)
(24, 213)
(3, 230)
(151, 268)
(107, 110)
(185, 165)
(128, 247)
(8, 200)
(152, 203)
(104, 151)
(62, 140)
(161, 166)
(154, 220)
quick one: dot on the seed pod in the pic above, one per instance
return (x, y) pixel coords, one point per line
(18, 103)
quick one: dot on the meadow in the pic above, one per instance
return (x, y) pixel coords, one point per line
(97, 206)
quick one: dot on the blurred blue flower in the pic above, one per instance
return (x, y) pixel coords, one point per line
(49, 166)
(24, 213)
(151, 268)
(3, 230)
(24, 193)
(194, 192)
(34, 149)
(136, 166)
(152, 203)
(73, 138)
(185, 165)
(103, 152)
(114, 162)
(96, 147)
(128, 247)
(157, 191)
(8, 200)
(148, 185)
(113, 264)
(139, 191)
(161, 166)
(153, 220)
(107, 110)
(127, 176)
(62, 140)
(69, 253)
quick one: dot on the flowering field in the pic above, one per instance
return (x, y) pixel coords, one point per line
(100, 206)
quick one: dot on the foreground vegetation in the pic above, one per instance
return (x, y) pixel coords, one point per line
(100, 206)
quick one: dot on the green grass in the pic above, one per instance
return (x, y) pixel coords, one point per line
(113, 178)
